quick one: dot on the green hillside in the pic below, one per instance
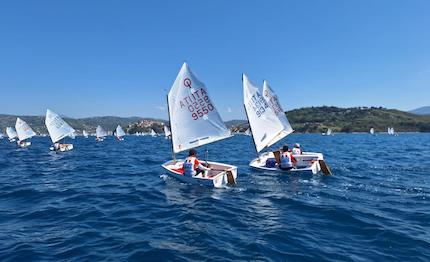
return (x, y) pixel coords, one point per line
(309, 119)
(357, 119)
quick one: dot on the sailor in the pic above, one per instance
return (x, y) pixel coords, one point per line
(287, 159)
(57, 146)
(297, 150)
(192, 166)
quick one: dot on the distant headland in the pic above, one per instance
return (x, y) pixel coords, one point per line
(303, 120)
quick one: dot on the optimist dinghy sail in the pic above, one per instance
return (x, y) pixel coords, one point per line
(58, 129)
(100, 133)
(195, 121)
(119, 132)
(372, 131)
(269, 124)
(153, 134)
(11, 134)
(167, 132)
(85, 134)
(24, 132)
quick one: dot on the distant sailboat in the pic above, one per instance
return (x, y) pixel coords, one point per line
(247, 132)
(100, 133)
(372, 131)
(153, 133)
(328, 133)
(193, 127)
(119, 133)
(269, 125)
(85, 134)
(11, 134)
(58, 129)
(167, 132)
(24, 132)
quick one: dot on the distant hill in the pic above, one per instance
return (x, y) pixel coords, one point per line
(425, 110)
(304, 120)
(357, 119)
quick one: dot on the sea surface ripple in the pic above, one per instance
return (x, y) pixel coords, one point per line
(112, 201)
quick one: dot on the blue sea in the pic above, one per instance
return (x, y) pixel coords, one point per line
(112, 201)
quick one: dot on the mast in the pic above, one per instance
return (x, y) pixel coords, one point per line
(171, 130)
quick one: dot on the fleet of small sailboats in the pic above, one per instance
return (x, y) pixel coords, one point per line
(24, 132)
(58, 129)
(193, 126)
(194, 122)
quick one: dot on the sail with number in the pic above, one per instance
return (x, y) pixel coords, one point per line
(273, 101)
(119, 132)
(266, 127)
(11, 133)
(194, 118)
(100, 132)
(57, 127)
(23, 130)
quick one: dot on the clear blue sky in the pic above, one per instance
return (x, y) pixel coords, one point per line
(88, 58)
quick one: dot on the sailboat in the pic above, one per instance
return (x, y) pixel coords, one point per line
(247, 132)
(372, 131)
(58, 129)
(11, 134)
(167, 132)
(269, 125)
(328, 133)
(24, 132)
(153, 133)
(85, 134)
(100, 133)
(193, 126)
(119, 133)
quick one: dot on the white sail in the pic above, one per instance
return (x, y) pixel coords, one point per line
(11, 133)
(57, 127)
(119, 131)
(372, 131)
(329, 132)
(85, 133)
(194, 118)
(248, 132)
(166, 131)
(100, 132)
(273, 101)
(23, 130)
(265, 125)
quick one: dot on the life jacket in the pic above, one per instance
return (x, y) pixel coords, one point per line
(189, 166)
(297, 151)
(286, 160)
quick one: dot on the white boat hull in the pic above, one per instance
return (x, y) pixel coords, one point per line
(221, 175)
(24, 144)
(306, 162)
(63, 147)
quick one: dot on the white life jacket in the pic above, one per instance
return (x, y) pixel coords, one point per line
(286, 161)
(297, 151)
(189, 168)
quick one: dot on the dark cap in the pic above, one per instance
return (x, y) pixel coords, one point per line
(192, 152)
(285, 148)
